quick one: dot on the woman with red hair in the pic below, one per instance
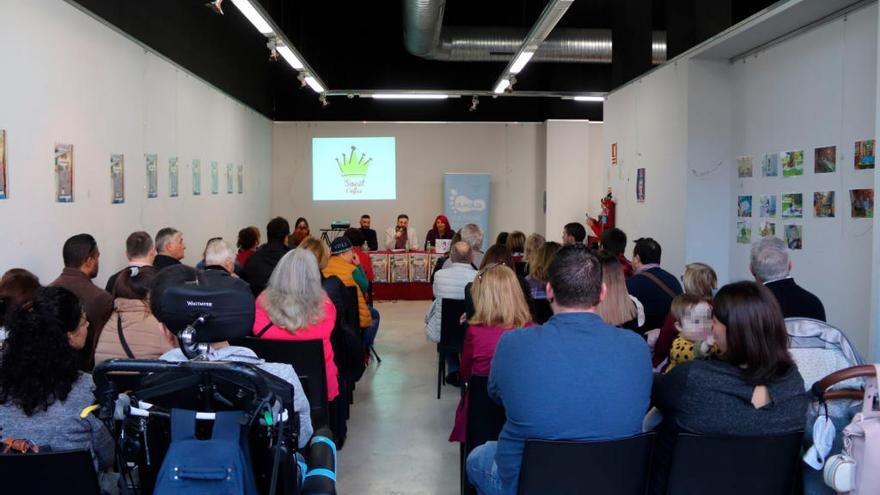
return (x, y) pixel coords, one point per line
(441, 230)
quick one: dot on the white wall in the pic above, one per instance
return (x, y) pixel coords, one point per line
(571, 183)
(512, 153)
(67, 78)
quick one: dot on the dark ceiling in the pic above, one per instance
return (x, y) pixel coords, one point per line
(359, 45)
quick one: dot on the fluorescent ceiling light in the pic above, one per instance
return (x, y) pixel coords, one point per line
(502, 85)
(521, 62)
(589, 98)
(408, 96)
(314, 84)
(288, 55)
(253, 15)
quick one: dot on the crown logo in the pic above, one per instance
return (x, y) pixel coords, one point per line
(352, 165)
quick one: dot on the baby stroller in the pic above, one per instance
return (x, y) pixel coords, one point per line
(136, 397)
(819, 350)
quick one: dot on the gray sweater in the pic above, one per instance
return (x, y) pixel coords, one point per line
(60, 427)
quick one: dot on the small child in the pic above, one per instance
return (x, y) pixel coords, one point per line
(693, 320)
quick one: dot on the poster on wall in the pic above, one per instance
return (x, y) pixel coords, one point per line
(792, 205)
(767, 229)
(197, 177)
(152, 175)
(744, 232)
(117, 178)
(864, 155)
(64, 173)
(826, 160)
(614, 153)
(419, 266)
(794, 236)
(240, 179)
(172, 177)
(228, 178)
(399, 263)
(823, 204)
(744, 207)
(379, 262)
(862, 203)
(770, 165)
(4, 189)
(793, 163)
(768, 206)
(640, 185)
(215, 178)
(744, 166)
(467, 199)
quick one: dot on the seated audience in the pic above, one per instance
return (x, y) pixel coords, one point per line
(573, 233)
(534, 242)
(170, 248)
(248, 240)
(534, 372)
(618, 309)
(692, 317)
(441, 261)
(260, 265)
(539, 268)
(652, 285)
(220, 266)
(771, 266)
(332, 285)
(177, 276)
(131, 321)
(472, 234)
(357, 242)
(498, 254)
(501, 238)
(368, 233)
(295, 307)
(343, 264)
(699, 279)
(81, 255)
(754, 389)
(614, 240)
(500, 306)
(441, 230)
(17, 286)
(516, 243)
(139, 250)
(42, 393)
(300, 232)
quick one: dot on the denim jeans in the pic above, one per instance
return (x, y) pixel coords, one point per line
(483, 472)
(452, 363)
(370, 333)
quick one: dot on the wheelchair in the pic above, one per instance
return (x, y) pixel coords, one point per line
(135, 398)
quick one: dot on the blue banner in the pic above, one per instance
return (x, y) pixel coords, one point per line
(466, 200)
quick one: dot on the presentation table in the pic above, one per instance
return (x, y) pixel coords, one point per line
(402, 275)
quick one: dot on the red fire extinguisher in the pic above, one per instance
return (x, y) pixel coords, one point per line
(605, 221)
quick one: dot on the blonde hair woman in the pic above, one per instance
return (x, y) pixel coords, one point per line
(618, 308)
(499, 307)
(533, 244)
(538, 266)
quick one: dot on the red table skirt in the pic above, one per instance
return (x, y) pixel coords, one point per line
(406, 291)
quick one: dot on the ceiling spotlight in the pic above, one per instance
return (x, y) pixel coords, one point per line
(323, 99)
(273, 54)
(216, 6)
(589, 98)
(302, 80)
(475, 101)
(502, 86)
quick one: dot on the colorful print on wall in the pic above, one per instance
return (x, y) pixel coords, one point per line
(744, 232)
(744, 207)
(862, 203)
(197, 177)
(4, 187)
(173, 176)
(792, 205)
(768, 206)
(823, 204)
(744, 166)
(770, 165)
(215, 178)
(767, 229)
(640, 185)
(826, 160)
(864, 155)
(793, 163)
(794, 236)
(240, 179)
(64, 173)
(117, 178)
(228, 178)
(152, 175)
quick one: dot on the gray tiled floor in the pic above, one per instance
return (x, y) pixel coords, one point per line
(398, 431)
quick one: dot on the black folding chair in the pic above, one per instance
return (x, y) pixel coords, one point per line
(451, 336)
(352, 315)
(485, 418)
(619, 466)
(71, 473)
(543, 312)
(766, 465)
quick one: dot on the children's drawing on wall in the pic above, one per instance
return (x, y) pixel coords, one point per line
(173, 176)
(744, 206)
(792, 205)
(744, 232)
(744, 166)
(64, 173)
(117, 178)
(826, 160)
(864, 155)
(215, 178)
(862, 202)
(794, 236)
(197, 177)
(793, 163)
(823, 204)
(767, 229)
(240, 179)
(4, 189)
(640, 185)
(768, 206)
(770, 165)
(228, 178)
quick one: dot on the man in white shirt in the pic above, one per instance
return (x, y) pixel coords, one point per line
(402, 236)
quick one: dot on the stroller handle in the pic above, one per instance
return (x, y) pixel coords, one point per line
(820, 388)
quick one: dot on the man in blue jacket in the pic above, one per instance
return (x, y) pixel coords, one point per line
(573, 378)
(653, 286)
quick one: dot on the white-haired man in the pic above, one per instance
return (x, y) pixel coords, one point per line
(771, 266)
(472, 234)
(219, 266)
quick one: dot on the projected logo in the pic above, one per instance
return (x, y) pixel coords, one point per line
(463, 204)
(354, 171)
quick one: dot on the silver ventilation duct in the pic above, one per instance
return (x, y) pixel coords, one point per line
(425, 36)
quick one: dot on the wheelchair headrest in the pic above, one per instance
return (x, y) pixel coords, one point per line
(227, 313)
